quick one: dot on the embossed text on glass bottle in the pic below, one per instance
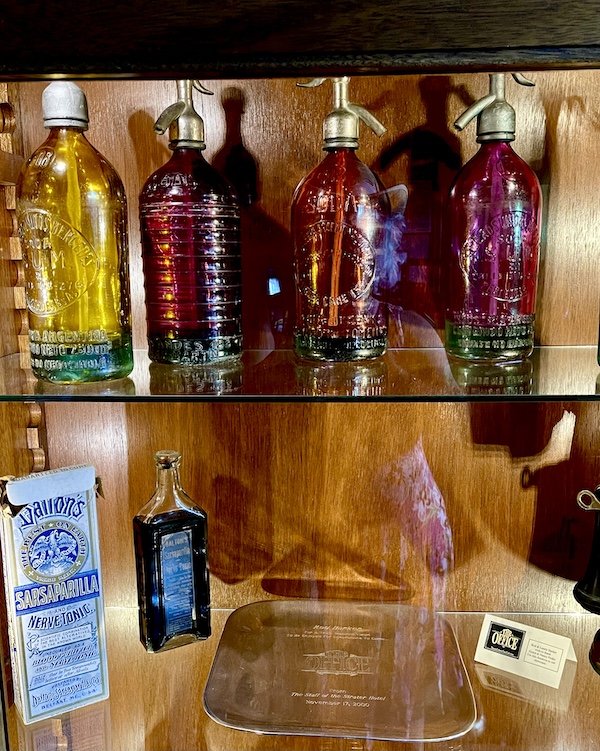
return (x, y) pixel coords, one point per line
(339, 215)
(73, 225)
(494, 216)
(170, 536)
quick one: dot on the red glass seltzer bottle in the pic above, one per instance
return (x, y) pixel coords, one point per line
(190, 228)
(338, 220)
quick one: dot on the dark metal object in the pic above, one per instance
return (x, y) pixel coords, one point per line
(587, 590)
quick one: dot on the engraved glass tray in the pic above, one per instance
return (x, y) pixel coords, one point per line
(346, 669)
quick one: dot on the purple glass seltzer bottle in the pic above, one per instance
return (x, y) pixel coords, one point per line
(190, 228)
(494, 215)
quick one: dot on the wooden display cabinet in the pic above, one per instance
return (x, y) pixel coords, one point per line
(386, 482)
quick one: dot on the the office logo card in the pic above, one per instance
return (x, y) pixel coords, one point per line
(523, 650)
(504, 640)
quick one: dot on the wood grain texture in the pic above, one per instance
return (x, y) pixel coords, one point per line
(155, 702)
(266, 135)
(415, 503)
(11, 321)
(253, 36)
(96, 434)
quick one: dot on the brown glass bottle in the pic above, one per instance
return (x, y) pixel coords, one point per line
(339, 215)
(170, 535)
(339, 223)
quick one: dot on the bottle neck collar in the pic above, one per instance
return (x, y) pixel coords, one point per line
(491, 145)
(496, 138)
(66, 129)
(167, 479)
(338, 149)
(179, 144)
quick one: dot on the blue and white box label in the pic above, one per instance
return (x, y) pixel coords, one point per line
(54, 591)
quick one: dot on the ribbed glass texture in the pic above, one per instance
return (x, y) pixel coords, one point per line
(190, 224)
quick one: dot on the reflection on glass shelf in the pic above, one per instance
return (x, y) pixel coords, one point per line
(214, 379)
(513, 714)
(367, 378)
(116, 388)
(84, 728)
(401, 374)
(495, 379)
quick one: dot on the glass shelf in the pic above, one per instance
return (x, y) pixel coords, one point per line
(512, 713)
(410, 374)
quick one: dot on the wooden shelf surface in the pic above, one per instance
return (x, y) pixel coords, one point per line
(288, 37)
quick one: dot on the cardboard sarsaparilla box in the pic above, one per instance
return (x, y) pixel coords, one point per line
(53, 585)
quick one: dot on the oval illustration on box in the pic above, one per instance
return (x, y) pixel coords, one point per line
(53, 551)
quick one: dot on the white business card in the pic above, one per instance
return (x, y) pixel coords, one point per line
(523, 650)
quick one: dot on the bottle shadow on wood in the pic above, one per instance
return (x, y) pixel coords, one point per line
(560, 539)
(433, 159)
(267, 256)
(240, 532)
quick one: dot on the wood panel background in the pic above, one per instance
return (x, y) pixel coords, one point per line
(415, 503)
(266, 135)
(412, 503)
(13, 319)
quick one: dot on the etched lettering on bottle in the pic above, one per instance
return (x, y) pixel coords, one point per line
(357, 268)
(43, 158)
(60, 264)
(330, 203)
(176, 179)
(496, 259)
(159, 183)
